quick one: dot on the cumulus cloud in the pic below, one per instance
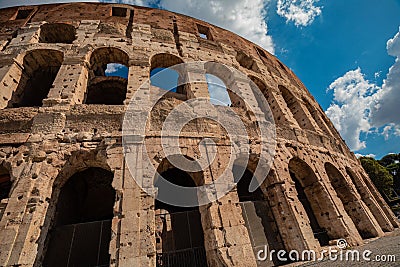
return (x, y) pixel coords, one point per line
(350, 112)
(243, 17)
(301, 12)
(369, 155)
(360, 106)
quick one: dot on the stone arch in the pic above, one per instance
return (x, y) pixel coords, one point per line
(296, 109)
(179, 231)
(225, 74)
(75, 217)
(369, 200)
(355, 208)
(101, 85)
(57, 33)
(382, 203)
(40, 68)
(247, 61)
(173, 80)
(257, 212)
(317, 117)
(311, 195)
(267, 93)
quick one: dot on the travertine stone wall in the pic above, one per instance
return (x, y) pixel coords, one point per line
(41, 147)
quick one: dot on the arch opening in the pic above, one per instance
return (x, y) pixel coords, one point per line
(351, 203)
(317, 117)
(247, 61)
(108, 77)
(305, 182)
(5, 189)
(217, 90)
(163, 76)
(257, 214)
(81, 231)
(295, 108)
(57, 33)
(40, 68)
(179, 232)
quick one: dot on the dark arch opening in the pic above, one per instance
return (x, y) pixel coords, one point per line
(350, 202)
(57, 33)
(304, 179)
(257, 214)
(295, 108)
(81, 230)
(267, 94)
(164, 76)
(5, 188)
(247, 61)
(179, 232)
(40, 68)
(108, 77)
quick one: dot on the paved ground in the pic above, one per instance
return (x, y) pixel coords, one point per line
(382, 247)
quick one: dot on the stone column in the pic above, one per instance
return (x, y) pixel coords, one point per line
(290, 216)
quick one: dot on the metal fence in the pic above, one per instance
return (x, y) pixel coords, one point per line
(263, 230)
(180, 241)
(193, 257)
(84, 244)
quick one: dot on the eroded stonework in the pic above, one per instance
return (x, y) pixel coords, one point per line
(62, 159)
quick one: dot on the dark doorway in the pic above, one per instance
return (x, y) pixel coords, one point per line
(258, 216)
(39, 72)
(179, 233)
(318, 231)
(82, 226)
(5, 188)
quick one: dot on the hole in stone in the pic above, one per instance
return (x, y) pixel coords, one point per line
(23, 13)
(57, 33)
(118, 12)
(204, 32)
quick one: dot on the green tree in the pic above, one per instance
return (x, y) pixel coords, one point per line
(379, 175)
(392, 163)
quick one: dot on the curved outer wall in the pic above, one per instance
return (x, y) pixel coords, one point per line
(41, 147)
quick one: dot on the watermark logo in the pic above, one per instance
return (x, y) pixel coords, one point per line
(247, 100)
(338, 253)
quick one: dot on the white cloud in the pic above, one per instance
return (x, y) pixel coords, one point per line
(360, 106)
(301, 12)
(353, 96)
(369, 155)
(113, 68)
(243, 17)
(387, 108)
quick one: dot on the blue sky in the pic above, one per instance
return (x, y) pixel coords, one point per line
(347, 53)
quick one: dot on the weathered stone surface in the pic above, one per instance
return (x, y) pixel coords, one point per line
(58, 125)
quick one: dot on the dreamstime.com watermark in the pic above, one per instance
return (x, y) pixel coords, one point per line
(338, 253)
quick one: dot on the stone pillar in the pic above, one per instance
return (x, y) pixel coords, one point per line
(226, 237)
(26, 212)
(372, 204)
(137, 237)
(388, 212)
(290, 216)
(10, 77)
(70, 85)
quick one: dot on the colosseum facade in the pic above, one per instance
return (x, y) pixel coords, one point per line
(67, 195)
